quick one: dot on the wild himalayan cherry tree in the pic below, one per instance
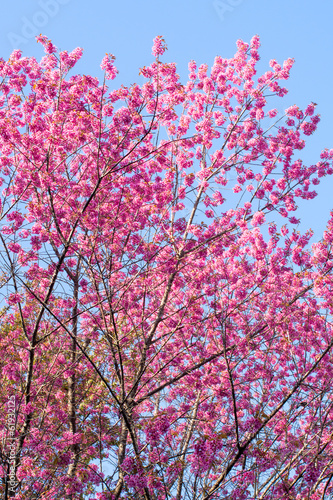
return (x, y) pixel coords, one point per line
(166, 332)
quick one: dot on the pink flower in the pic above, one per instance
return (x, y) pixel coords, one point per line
(14, 298)
(310, 109)
(258, 219)
(259, 114)
(292, 110)
(14, 247)
(108, 66)
(49, 48)
(159, 46)
(272, 113)
(255, 42)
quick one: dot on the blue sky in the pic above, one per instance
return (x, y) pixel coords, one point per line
(199, 30)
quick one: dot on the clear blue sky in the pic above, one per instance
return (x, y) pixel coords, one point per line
(193, 29)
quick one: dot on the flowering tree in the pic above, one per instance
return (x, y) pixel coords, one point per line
(165, 332)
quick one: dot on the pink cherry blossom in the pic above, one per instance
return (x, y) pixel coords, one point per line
(159, 46)
(166, 329)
